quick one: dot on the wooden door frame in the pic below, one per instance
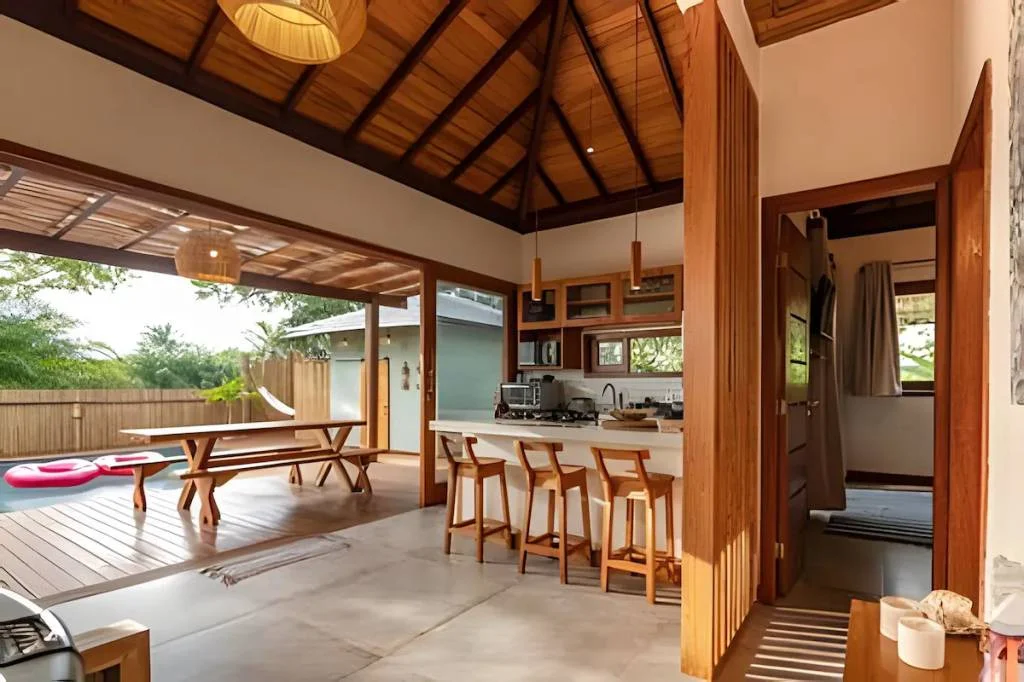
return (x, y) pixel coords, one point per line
(772, 208)
(383, 398)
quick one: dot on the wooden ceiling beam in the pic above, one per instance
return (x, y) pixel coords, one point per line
(301, 87)
(620, 203)
(206, 40)
(550, 184)
(13, 179)
(267, 254)
(659, 49)
(115, 45)
(578, 149)
(70, 7)
(441, 22)
(506, 124)
(611, 95)
(895, 219)
(400, 279)
(156, 229)
(556, 28)
(503, 180)
(47, 246)
(510, 47)
(354, 275)
(83, 215)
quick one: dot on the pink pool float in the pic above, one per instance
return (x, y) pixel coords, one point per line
(61, 473)
(107, 461)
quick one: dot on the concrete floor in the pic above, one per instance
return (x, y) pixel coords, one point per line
(392, 606)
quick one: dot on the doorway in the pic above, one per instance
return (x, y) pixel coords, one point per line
(383, 402)
(960, 363)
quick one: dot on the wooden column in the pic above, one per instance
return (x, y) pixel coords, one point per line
(721, 353)
(431, 492)
(371, 356)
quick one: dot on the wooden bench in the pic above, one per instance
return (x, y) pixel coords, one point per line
(144, 470)
(222, 469)
(871, 657)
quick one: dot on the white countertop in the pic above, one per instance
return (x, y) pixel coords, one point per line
(589, 433)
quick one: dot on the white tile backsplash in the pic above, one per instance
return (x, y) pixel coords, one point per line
(634, 389)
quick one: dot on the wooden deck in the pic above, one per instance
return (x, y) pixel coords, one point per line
(101, 543)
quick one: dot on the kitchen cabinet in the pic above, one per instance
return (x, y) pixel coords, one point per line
(591, 301)
(568, 349)
(659, 298)
(545, 313)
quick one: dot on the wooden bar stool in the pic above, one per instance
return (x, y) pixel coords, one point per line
(478, 469)
(635, 485)
(558, 480)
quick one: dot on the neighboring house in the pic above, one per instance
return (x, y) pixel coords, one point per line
(469, 362)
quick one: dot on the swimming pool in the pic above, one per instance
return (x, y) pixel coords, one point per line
(15, 499)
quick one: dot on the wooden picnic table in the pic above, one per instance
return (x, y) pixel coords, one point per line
(198, 441)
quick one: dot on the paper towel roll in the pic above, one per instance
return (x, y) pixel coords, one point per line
(891, 609)
(921, 643)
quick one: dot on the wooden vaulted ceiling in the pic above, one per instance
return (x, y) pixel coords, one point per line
(777, 20)
(486, 104)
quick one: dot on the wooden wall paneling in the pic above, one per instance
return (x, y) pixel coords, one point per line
(971, 184)
(720, 299)
(173, 26)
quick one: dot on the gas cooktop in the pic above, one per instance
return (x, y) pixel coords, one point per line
(548, 418)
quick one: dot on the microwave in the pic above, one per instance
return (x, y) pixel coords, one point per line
(533, 396)
(540, 353)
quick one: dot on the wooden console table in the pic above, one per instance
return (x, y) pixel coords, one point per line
(870, 657)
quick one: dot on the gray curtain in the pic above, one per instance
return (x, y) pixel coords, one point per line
(875, 356)
(826, 470)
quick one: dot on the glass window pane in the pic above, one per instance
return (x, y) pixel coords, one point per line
(915, 315)
(609, 353)
(650, 354)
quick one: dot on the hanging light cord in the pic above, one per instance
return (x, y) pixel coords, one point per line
(636, 117)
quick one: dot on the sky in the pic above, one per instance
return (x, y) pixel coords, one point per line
(118, 317)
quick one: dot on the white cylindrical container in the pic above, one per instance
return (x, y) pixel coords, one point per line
(891, 609)
(921, 643)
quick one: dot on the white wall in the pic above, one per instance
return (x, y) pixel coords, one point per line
(982, 32)
(70, 102)
(886, 435)
(602, 246)
(862, 98)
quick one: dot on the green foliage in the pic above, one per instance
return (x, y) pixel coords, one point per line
(268, 341)
(162, 360)
(228, 392)
(650, 354)
(22, 275)
(36, 353)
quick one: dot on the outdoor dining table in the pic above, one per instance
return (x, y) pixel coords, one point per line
(198, 441)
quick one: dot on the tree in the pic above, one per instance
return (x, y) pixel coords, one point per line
(36, 353)
(656, 353)
(162, 360)
(268, 340)
(229, 392)
(22, 275)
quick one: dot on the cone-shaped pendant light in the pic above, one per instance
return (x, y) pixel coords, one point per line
(302, 31)
(536, 293)
(635, 250)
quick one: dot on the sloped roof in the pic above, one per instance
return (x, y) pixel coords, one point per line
(449, 307)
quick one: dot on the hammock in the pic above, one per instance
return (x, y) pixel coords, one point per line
(276, 404)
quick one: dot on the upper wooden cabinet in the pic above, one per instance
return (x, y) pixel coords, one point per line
(605, 300)
(546, 313)
(659, 298)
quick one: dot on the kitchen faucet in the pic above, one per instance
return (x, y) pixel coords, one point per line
(605, 389)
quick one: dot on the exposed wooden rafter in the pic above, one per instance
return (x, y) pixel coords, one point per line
(301, 87)
(659, 49)
(47, 246)
(611, 96)
(510, 47)
(547, 83)
(503, 180)
(619, 203)
(578, 149)
(72, 221)
(266, 254)
(551, 186)
(206, 40)
(405, 67)
(156, 229)
(13, 179)
(506, 124)
(353, 275)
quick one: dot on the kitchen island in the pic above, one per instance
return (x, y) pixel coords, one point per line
(496, 439)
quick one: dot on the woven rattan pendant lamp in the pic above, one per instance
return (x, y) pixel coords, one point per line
(210, 256)
(302, 31)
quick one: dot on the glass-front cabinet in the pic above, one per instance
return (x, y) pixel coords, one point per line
(590, 301)
(543, 314)
(659, 298)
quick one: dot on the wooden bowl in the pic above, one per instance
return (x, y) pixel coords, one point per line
(631, 415)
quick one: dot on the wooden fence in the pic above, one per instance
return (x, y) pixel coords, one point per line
(36, 423)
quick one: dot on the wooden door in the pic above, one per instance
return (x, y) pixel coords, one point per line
(383, 402)
(794, 266)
